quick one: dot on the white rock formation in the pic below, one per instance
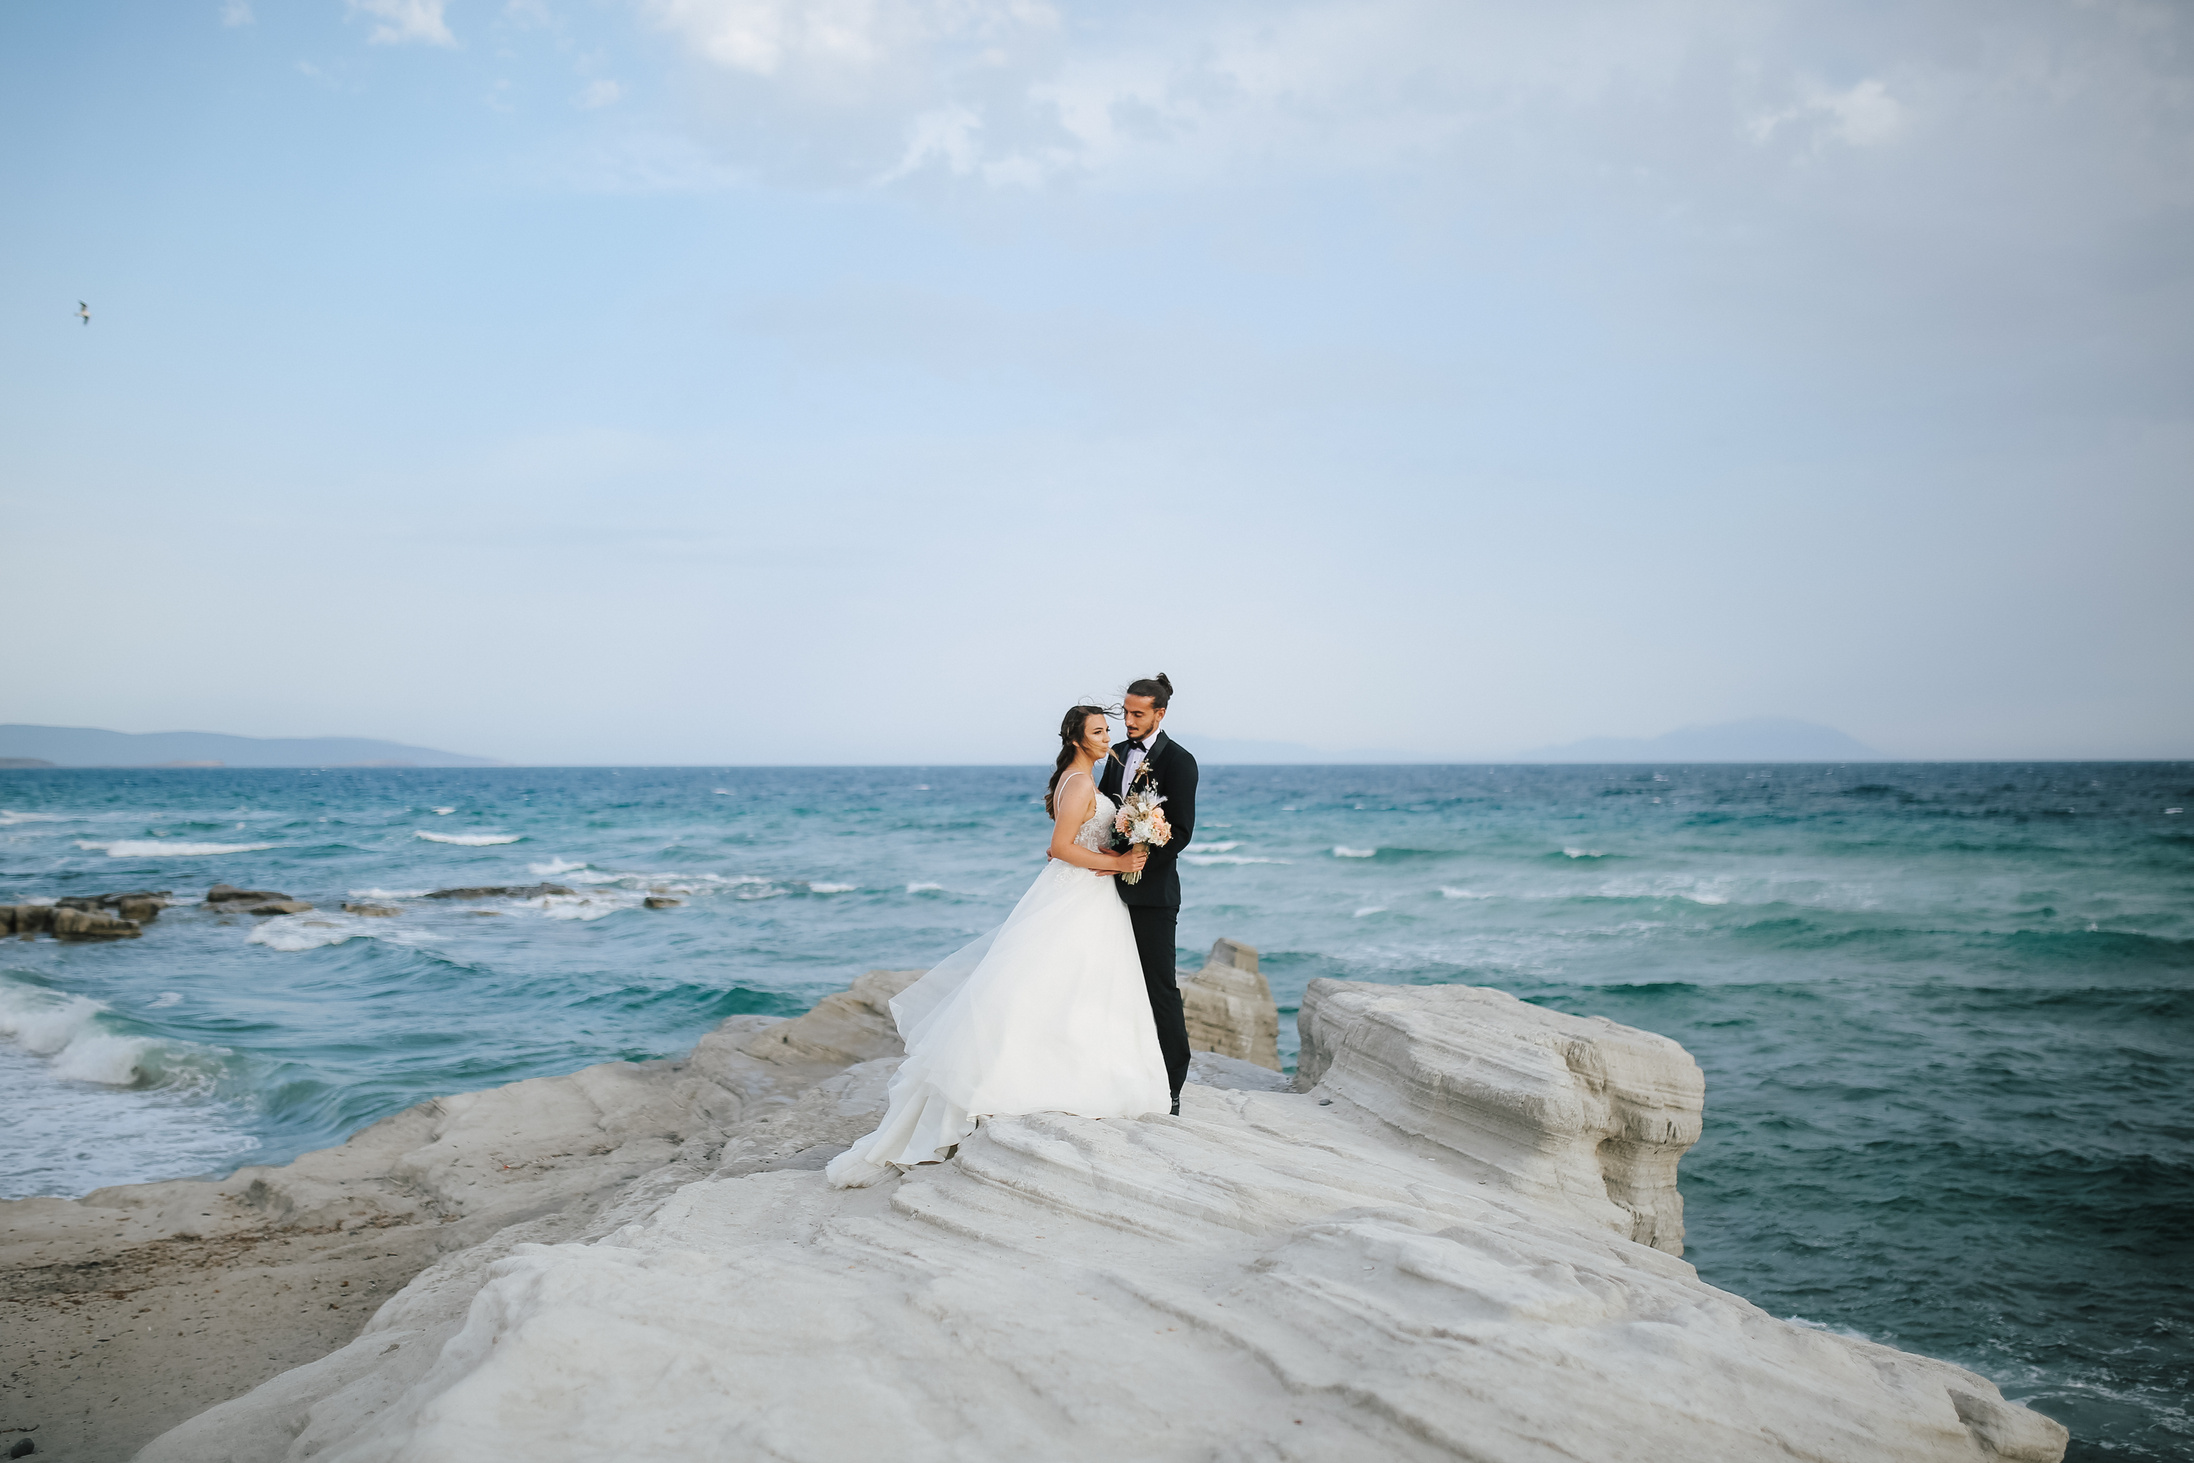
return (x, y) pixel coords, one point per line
(1376, 1268)
(1229, 1007)
(1578, 1113)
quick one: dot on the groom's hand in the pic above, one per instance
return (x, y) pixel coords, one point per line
(1135, 858)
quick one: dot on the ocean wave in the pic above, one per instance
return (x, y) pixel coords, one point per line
(293, 932)
(1448, 893)
(69, 1031)
(9, 820)
(582, 906)
(832, 888)
(389, 893)
(441, 812)
(167, 848)
(556, 865)
(1220, 847)
(1202, 859)
(469, 840)
(1342, 851)
(1582, 853)
(925, 888)
(1370, 909)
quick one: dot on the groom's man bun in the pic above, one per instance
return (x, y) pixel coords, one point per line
(1158, 688)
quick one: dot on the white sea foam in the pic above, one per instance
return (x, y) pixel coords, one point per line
(1220, 847)
(556, 866)
(164, 999)
(832, 888)
(388, 893)
(583, 906)
(1582, 853)
(44, 1021)
(115, 1061)
(66, 1031)
(1227, 858)
(469, 840)
(300, 932)
(1448, 893)
(442, 812)
(925, 888)
(167, 848)
(1340, 851)
(9, 820)
(725, 792)
(1371, 909)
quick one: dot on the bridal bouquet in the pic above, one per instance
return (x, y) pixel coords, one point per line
(1141, 820)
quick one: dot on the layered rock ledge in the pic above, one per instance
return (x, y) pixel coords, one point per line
(1461, 1241)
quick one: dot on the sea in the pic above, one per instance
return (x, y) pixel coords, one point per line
(1945, 1011)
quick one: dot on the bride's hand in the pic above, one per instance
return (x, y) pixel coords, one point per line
(1133, 860)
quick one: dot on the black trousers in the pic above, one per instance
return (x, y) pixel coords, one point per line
(1154, 930)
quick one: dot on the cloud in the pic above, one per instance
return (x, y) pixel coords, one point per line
(400, 21)
(769, 37)
(236, 12)
(601, 94)
(1134, 93)
(1865, 115)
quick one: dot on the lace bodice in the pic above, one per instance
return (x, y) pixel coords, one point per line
(1096, 829)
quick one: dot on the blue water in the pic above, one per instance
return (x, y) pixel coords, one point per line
(1944, 1010)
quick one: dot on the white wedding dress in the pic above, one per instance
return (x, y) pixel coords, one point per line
(1046, 1013)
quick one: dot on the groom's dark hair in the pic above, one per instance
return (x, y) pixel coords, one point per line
(1158, 688)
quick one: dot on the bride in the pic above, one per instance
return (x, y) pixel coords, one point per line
(1046, 1013)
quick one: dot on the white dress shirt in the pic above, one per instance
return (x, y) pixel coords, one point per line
(1130, 763)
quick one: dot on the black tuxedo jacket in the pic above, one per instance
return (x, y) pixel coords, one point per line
(1168, 767)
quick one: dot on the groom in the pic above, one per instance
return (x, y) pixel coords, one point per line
(1151, 759)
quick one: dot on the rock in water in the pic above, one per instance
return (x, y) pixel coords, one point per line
(1229, 1007)
(1405, 1274)
(142, 905)
(501, 891)
(1577, 1112)
(228, 899)
(661, 901)
(88, 924)
(373, 911)
(31, 919)
(221, 894)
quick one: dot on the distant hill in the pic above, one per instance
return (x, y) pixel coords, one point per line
(84, 746)
(1762, 739)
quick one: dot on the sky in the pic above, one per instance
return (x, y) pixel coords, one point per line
(704, 381)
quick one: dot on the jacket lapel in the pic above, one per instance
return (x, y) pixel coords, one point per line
(1151, 754)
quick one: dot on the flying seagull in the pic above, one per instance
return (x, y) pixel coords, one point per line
(83, 312)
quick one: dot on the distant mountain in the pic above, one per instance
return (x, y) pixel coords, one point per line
(1762, 739)
(84, 746)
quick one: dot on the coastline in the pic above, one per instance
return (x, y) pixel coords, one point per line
(1459, 1152)
(134, 1308)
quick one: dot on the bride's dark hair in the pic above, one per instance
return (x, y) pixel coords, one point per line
(1071, 727)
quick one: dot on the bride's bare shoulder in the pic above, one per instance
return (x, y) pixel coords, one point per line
(1074, 796)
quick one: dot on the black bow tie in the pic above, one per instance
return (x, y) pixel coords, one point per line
(1136, 743)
